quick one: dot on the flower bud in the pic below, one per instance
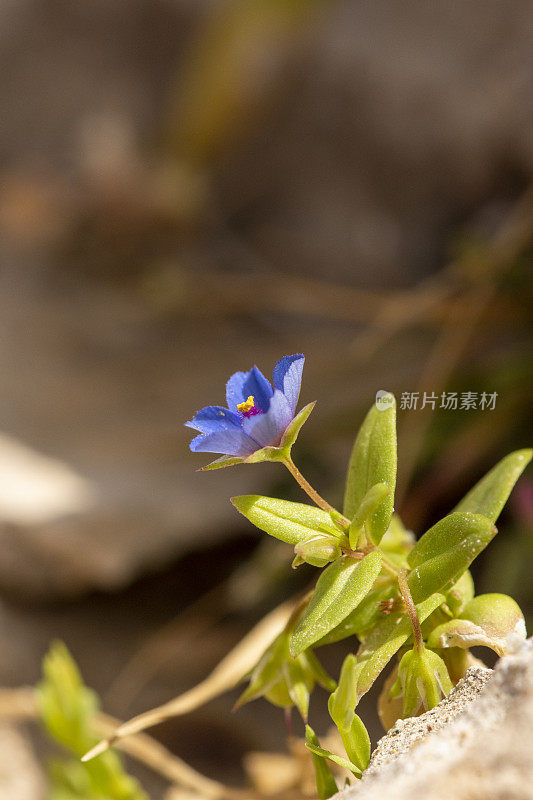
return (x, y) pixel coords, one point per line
(423, 681)
(318, 550)
(489, 620)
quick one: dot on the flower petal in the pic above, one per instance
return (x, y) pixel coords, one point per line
(268, 428)
(257, 385)
(232, 442)
(214, 418)
(235, 391)
(288, 377)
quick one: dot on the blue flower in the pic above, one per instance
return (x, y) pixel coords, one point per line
(257, 414)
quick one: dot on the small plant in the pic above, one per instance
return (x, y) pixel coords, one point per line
(413, 600)
(396, 596)
(68, 712)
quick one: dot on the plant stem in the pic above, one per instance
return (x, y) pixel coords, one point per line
(411, 610)
(387, 565)
(306, 486)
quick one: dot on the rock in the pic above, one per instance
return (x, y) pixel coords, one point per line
(20, 774)
(475, 744)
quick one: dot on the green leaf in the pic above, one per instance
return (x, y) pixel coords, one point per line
(442, 571)
(340, 588)
(342, 702)
(461, 593)
(297, 686)
(290, 522)
(267, 672)
(341, 707)
(68, 709)
(490, 494)
(370, 502)
(316, 671)
(325, 782)
(356, 742)
(373, 461)
(445, 535)
(292, 431)
(283, 451)
(329, 756)
(362, 618)
(220, 463)
(390, 633)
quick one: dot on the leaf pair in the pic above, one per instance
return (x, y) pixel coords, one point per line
(284, 680)
(341, 707)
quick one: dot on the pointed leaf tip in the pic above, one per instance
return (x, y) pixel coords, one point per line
(373, 460)
(490, 494)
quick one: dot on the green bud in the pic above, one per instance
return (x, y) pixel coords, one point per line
(370, 502)
(488, 620)
(318, 550)
(422, 681)
(339, 521)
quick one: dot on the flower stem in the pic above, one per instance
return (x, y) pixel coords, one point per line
(411, 610)
(306, 486)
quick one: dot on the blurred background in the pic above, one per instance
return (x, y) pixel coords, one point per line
(189, 187)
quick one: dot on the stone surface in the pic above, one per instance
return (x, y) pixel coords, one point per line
(475, 745)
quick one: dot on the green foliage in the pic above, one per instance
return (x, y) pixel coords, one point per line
(446, 534)
(384, 641)
(68, 710)
(422, 681)
(325, 782)
(364, 514)
(341, 707)
(490, 494)
(328, 755)
(284, 680)
(443, 570)
(340, 588)
(357, 594)
(373, 461)
(410, 604)
(291, 522)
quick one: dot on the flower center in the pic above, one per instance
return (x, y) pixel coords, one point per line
(248, 408)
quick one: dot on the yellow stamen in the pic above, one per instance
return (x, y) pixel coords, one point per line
(246, 406)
